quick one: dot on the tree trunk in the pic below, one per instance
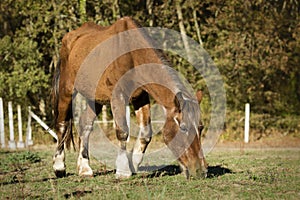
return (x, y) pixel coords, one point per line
(55, 37)
(183, 32)
(149, 4)
(197, 26)
(116, 9)
(82, 10)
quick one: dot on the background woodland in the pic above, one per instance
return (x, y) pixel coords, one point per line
(254, 44)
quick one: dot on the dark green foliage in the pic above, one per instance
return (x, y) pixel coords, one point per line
(255, 45)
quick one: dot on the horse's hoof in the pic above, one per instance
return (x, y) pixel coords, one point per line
(60, 173)
(83, 167)
(59, 165)
(88, 173)
(123, 174)
(137, 158)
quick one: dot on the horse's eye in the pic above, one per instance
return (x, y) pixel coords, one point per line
(200, 127)
(183, 127)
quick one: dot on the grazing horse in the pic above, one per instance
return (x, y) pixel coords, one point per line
(131, 76)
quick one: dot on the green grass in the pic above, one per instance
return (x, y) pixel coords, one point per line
(233, 174)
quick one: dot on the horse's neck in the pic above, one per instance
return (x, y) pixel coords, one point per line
(146, 56)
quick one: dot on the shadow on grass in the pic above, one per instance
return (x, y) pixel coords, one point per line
(152, 172)
(162, 170)
(171, 170)
(215, 171)
(104, 172)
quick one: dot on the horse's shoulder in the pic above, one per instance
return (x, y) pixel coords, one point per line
(90, 26)
(124, 24)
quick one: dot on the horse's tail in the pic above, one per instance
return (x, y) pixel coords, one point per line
(55, 91)
(68, 136)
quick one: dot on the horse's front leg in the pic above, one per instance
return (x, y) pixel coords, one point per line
(86, 127)
(144, 137)
(122, 163)
(118, 105)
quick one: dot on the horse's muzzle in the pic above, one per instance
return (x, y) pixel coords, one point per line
(198, 173)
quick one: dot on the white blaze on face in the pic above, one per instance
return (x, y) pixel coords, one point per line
(197, 131)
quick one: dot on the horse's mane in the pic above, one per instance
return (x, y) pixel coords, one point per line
(179, 83)
(188, 103)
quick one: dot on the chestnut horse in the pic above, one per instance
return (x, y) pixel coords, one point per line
(110, 74)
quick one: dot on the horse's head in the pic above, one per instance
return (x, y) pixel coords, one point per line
(182, 134)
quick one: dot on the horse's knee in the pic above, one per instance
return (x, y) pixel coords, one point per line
(122, 136)
(146, 140)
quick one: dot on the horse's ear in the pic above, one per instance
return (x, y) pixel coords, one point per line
(199, 96)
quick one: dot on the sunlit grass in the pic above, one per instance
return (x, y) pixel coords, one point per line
(255, 174)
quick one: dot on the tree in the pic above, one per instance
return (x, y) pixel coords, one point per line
(255, 44)
(249, 42)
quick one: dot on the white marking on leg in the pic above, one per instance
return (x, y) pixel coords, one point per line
(83, 166)
(137, 158)
(139, 149)
(59, 162)
(143, 140)
(122, 165)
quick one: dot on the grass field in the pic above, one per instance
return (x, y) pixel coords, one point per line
(233, 174)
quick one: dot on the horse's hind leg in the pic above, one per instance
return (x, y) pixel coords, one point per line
(86, 126)
(142, 111)
(62, 126)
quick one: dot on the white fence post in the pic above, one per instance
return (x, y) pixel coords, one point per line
(2, 134)
(29, 131)
(127, 113)
(247, 122)
(20, 143)
(104, 115)
(12, 143)
(34, 116)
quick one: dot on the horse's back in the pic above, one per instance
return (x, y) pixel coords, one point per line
(90, 35)
(79, 43)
